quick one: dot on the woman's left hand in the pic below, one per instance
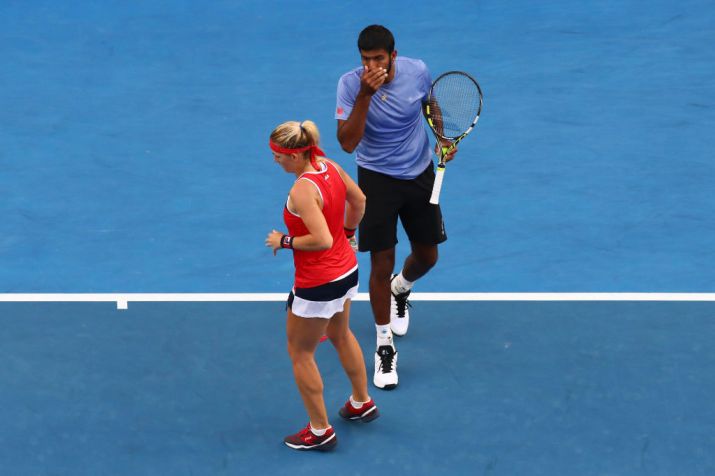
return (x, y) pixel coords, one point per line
(273, 240)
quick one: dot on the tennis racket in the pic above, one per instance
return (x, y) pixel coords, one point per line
(453, 108)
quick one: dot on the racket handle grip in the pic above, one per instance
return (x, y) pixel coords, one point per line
(437, 188)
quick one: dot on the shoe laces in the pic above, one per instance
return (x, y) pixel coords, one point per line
(386, 355)
(402, 303)
(306, 434)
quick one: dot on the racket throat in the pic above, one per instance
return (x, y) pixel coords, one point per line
(444, 152)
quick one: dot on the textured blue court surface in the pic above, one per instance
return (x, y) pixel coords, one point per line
(133, 140)
(133, 158)
(486, 388)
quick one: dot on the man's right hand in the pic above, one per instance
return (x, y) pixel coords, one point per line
(371, 80)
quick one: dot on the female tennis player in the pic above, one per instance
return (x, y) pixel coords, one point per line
(324, 207)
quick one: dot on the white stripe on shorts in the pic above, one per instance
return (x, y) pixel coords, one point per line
(323, 309)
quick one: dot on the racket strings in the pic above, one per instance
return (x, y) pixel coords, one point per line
(456, 102)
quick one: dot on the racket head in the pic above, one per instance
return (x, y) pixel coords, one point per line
(453, 105)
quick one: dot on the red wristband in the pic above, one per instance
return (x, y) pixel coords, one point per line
(349, 232)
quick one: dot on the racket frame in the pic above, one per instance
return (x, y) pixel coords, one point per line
(445, 151)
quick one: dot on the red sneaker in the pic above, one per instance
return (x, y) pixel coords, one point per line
(367, 412)
(307, 440)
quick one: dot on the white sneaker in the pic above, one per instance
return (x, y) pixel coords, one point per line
(399, 311)
(385, 367)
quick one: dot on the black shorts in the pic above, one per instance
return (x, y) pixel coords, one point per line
(389, 198)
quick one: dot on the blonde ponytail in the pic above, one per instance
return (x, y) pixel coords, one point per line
(294, 134)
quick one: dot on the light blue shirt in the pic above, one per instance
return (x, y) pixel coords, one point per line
(395, 142)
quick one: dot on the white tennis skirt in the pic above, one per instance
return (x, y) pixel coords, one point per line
(325, 300)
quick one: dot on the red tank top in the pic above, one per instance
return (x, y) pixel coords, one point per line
(313, 268)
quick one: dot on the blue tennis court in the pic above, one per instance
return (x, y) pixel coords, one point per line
(134, 159)
(506, 388)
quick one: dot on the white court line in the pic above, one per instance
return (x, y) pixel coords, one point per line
(123, 299)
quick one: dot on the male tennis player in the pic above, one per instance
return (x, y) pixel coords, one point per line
(379, 110)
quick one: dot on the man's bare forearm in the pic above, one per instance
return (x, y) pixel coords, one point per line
(350, 131)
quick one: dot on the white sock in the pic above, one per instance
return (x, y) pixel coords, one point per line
(400, 285)
(319, 432)
(384, 335)
(356, 405)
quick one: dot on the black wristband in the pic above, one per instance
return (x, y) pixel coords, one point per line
(287, 241)
(349, 232)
